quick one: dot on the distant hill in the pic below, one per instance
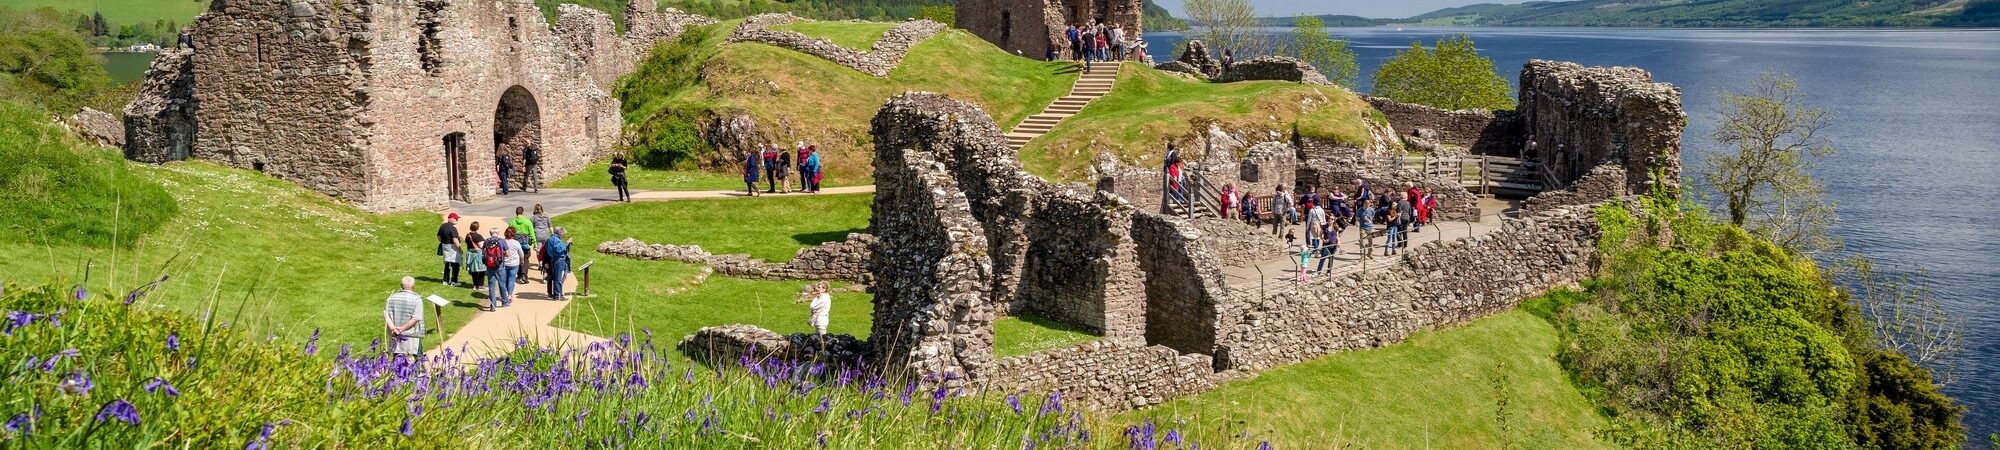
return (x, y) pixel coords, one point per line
(1332, 20)
(1724, 13)
(1158, 19)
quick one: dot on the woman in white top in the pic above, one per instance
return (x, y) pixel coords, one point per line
(821, 300)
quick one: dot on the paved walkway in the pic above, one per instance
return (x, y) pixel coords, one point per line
(495, 333)
(1350, 259)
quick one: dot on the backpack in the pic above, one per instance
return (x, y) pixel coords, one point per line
(494, 254)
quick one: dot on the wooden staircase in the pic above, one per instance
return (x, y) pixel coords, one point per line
(1092, 85)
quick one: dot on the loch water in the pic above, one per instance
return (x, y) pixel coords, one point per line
(1917, 125)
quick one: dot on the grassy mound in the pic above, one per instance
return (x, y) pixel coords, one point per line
(1148, 108)
(1493, 383)
(799, 97)
(60, 191)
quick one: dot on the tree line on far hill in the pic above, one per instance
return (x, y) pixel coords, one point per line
(95, 30)
(1725, 13)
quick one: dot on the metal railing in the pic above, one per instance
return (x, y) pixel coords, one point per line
(1195, 194)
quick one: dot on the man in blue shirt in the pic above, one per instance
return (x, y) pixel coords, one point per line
(556, 255)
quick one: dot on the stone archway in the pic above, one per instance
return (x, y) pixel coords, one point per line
(517, 124)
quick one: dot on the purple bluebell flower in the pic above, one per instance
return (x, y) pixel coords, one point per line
(1014, 400)
(173, 342)
(406, 430)
(312, 343)
(161, 386)
(119, 410)
(80, 293)
(1266, 445)
(15, 320)
(825, 403)
(1053, 404)
(20, 424)
(822, 438)
(78, 383)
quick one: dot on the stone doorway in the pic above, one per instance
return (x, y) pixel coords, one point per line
(517, 124)
(456, 185)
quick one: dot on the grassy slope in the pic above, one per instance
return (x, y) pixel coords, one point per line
(831, 105)
(772, 228)
(854, 35)
(1493, 383)
(125, 12)
(1148, 107)
(304, 260)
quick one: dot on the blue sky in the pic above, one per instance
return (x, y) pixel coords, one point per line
(1365, 8)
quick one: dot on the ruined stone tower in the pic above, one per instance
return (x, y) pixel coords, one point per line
(394, 104)
(1027, 27)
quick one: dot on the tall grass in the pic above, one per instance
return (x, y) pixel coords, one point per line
(87, 370)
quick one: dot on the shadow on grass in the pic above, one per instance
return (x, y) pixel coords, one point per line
(1054, 325)
(826, 236)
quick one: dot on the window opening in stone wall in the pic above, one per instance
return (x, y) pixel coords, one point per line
(456, 182)
(1006, 26)
(430, 47)
(513, 29)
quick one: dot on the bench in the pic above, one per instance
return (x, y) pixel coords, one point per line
(1264, 213)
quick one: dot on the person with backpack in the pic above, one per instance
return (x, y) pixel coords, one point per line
(1409, 219)
(770, 163)
(618, 164)
(531, 169)
(783, 170)
(512, 257)
(750, 168)
(805, 167)
(503, 165)
(555, 256)
(818, 169)
(494, 252)
(1364, 218)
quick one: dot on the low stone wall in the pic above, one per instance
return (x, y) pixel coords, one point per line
(1477, 131)
(1435, 285)
(1196, 56)
(1606, 182)
(840, 260)
(1279, 68)
(1184, 283)
(1181, 67)
(1109, 377)
(1072, 275)
(733, 344)
(887, 53)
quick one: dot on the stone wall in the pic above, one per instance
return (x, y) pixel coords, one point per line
(932, 316)
(1184, 284)
(738, 343)
(1280, 68)
(887, 53)
(1476, 131)
(1577, 118)
(1267, 166)
(1606, 182)
(362, 99)
(1110, 377)
(1435, 285)
(159, 123)
(1082, 267)
(838, 260)
(1197, 57)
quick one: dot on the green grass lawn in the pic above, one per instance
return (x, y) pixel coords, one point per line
(596, 176)
(1021, 335)
(124, 12)
(1147, 108)
(630, 304)
(856, 35)
(293, 259)
(1493, 383)
(772, 228)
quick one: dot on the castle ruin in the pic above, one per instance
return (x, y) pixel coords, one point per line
(1029, 27)
(393, 104)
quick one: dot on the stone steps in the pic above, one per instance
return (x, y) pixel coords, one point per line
(1088, 87)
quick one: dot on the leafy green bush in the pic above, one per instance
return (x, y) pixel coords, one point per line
(1450, 75)
(62, 190)
(660, 137)
(1697, 335)
(44, 61)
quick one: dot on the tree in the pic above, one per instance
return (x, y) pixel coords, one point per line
(1228, 25)
(1331, 56)
(97, 25)
(944, 14)
(1450, 76)
(1770, 139)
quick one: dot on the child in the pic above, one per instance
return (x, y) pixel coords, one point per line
(820, 302)
(1228, 200)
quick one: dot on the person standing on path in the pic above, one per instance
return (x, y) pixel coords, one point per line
(447, 234)
(510, 266)
(1315, 226)
(524, 233)
(531, 168)
(1395, 227)
(784, 169)
(819, 169)
(770, 162)
(1075, 43)
(805, 167)
(555, 255)
(501, 164)
(543, 228)
(494, 250)
(1364, 218)
(618, 181)
(750, 171)
(474, 259)
(1282, 213)
(1409, 219)
(403, 315)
